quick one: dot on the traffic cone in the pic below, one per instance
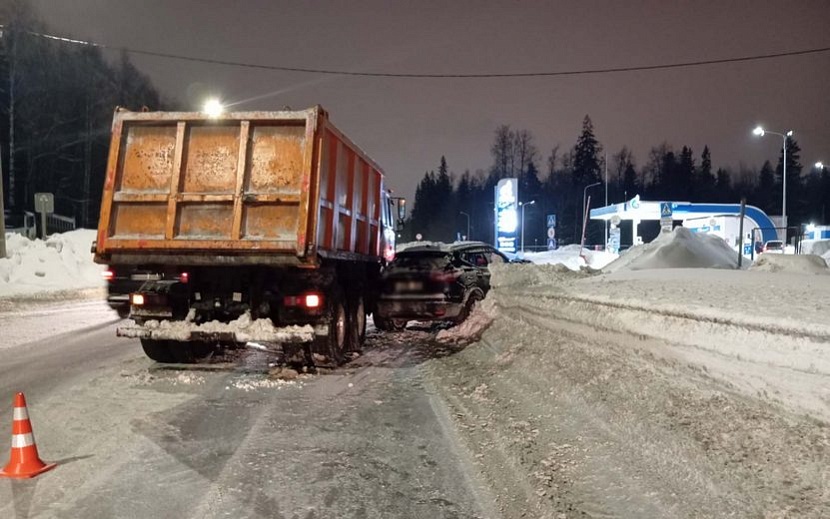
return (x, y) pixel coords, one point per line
(24, 462)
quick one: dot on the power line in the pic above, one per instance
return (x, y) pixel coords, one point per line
(582, 72)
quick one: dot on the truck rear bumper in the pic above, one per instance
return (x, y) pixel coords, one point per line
(261, 330)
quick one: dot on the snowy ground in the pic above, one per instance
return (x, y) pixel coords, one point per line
(61, 262)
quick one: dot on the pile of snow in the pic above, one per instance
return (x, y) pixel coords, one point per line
(795, 264)
(473, 327)
(570, 257)
(680, 248)
(817, 247)
(62, 262)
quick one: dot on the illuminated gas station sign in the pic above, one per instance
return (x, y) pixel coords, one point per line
(507, 214)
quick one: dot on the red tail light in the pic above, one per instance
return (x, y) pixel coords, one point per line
(184, 277)
(444, 277)
(108, 275)
(310, 301)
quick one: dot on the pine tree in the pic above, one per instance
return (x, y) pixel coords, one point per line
(586, 166)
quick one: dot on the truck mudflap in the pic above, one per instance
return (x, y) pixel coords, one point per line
(243, 330)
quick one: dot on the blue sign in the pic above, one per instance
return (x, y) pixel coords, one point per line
(507, 214)
(551, 231)
(665, 210)
(551, 220)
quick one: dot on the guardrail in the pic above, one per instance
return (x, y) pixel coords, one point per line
(58, 223)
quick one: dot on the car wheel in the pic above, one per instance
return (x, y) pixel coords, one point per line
(469, 306)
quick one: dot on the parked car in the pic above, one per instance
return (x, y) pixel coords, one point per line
(774, 247)
(122, 280)
(435, 282)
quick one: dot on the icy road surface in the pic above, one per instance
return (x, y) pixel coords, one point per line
(370, 440)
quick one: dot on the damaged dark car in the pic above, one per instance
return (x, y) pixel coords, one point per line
(435, 282)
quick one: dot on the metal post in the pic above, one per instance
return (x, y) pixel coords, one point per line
(2, 212)
(606, 222)
(523, 228)
(784, 196)
(741, 234)
(584, 224)
(468, 224)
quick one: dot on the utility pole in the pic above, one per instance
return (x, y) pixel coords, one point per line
(2, 212)
(10, 47)
(605, 223)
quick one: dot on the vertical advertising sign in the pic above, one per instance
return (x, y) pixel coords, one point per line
(507, 214)
(551, 231)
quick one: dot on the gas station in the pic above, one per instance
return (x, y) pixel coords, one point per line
(719, 219)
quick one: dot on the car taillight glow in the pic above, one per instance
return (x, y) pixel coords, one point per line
(137, 299)
(184, 277)
(313, 301)
(108, 275)
(389, 254)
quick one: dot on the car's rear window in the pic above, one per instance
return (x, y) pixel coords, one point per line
(774, 245)
(421, 260)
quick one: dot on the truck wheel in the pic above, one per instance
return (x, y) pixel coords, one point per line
(190, 352)
(334, 344)
(357, 324)
(159, 351)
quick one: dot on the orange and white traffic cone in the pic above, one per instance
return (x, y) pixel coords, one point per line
(24, 462)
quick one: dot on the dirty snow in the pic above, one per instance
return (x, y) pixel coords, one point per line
(61, 262)
(797, 264)
(471, 329)
(244, 329)
(680, 248)
(817, 247)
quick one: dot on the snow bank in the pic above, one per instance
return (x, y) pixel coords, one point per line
(680, 248)
(473, 327)
(817, 247)
(796, 264)
(569, 256)
(62, 262)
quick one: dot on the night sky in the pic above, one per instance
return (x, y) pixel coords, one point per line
(407, 124)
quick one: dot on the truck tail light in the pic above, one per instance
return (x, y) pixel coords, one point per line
(184, 277)
(108, 275)
(137, 299)
(310, 301)
(389, 254)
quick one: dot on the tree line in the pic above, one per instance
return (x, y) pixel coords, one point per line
(56, 107)
(558, 188)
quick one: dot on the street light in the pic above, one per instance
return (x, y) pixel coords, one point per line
(523, 222)
(213, 108)
(760, 132)
(467, 237)
(819, 165)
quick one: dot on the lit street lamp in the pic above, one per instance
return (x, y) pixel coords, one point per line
(213, 108)
(467, 237)
(523, 221)
(760, 132)
(819, 165)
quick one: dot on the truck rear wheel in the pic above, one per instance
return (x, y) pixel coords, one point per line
(159, 351)
(357, 324)
(334, 344)
(190, 352)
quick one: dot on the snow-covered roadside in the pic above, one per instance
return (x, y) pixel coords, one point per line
(61, 262)
(572, 256)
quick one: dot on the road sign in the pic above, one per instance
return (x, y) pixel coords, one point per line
(44, 203)
(551, 221)
(666, 220)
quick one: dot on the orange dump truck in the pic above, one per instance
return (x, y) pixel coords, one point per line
(267, 227)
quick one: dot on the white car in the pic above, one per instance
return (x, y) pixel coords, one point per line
(773, 247)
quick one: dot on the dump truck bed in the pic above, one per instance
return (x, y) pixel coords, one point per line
(244, 188)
